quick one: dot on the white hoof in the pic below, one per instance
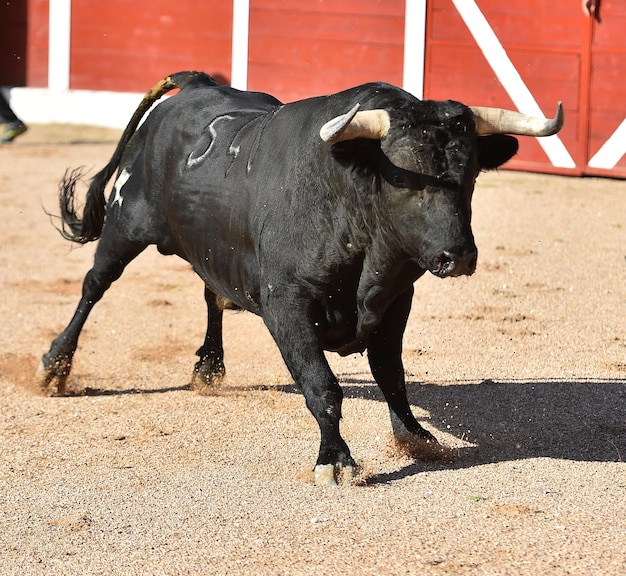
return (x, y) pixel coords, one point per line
(328, 475)
(347, 474)
(325, 475)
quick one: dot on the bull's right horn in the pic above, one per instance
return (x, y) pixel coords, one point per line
(370, 124)
(500, 121)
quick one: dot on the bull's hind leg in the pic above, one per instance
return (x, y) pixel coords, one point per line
(112, 256)
(209, 370)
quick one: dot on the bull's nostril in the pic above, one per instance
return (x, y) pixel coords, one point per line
(441, 260)
(444, 264)
(445, 258)
(455, 263)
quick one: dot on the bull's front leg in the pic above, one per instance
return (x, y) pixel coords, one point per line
(304, 357)
(385, 358)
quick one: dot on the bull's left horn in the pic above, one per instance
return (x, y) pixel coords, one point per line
(371, 124)
(499, 121)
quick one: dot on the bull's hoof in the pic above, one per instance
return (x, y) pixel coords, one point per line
(331, 475)
(425, 449)
(206, 382)
(52, 380)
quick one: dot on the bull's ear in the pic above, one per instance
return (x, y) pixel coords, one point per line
(495, 150)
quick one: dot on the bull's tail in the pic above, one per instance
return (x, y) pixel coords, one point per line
(89, 227)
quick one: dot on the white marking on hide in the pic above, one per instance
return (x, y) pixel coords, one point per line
(117, 187)
(191, 161)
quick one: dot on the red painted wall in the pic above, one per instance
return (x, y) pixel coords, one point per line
(312, 47)
(13, 41)
(607, 85)
(24, 43)
(560, 54)
(130, 45)
(544, 44)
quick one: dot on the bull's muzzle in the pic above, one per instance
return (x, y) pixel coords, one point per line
(455, 262)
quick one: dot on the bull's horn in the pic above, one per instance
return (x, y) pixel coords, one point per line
(499, 121)
(371, 124)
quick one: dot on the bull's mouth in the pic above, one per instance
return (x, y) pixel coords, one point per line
(449, 264)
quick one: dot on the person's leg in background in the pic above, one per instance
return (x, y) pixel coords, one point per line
(14, 126)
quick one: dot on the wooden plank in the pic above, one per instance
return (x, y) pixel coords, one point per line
(24, 43)
(294, 82)
(541, 45)
(607, 88)
(610, 32)
(128, 48)
(312, 26)
(13, 43)
(609, 82)
(38, 34)
(324, 55)
(372, 7)
(310, 48)
(515, 23)
(550, 75)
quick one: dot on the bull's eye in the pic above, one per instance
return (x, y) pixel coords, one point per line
(399, 181)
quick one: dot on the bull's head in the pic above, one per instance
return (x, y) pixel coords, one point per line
(428, 155)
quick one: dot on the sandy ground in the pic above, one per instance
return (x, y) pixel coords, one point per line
(519, 370)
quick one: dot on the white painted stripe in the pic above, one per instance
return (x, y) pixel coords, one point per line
(241, 25)
(509, 77)
(60, 17)
(612, 150)
(414, 47)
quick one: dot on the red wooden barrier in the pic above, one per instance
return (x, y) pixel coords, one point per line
(515, 54)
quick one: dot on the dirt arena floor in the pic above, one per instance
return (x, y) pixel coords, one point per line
(520, 371)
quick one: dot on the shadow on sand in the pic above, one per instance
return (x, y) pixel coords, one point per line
(581, 420)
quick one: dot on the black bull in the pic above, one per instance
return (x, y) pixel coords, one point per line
(314, 215)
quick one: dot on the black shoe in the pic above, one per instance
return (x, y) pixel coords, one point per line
(13, 130)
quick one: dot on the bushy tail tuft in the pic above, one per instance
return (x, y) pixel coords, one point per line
(74, 228)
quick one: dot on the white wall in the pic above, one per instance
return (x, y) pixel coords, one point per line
(43, 106)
